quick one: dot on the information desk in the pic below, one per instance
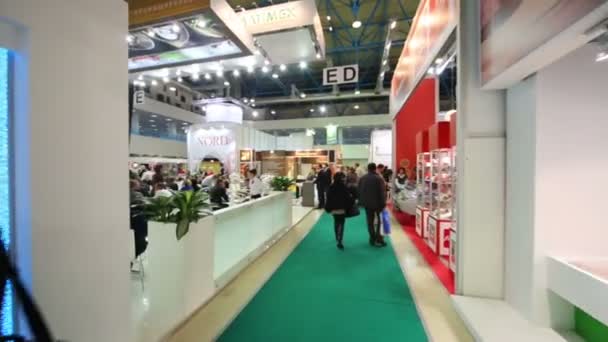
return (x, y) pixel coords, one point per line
(180, 276)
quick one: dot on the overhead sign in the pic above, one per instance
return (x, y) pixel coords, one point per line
(341, 74)
(209, 142)
(288, 15)
(143, 12)
(139, 97)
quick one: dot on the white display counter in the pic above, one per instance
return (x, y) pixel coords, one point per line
(181, 276)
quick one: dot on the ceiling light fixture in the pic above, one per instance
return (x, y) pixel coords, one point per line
(303, 95)
(140, 77)
(253, 105)
(266, 62)
(169, 119)
(356, 106)
(303, 65)
(384, 62)
(175, 28)
(393, 24)
(357, 24)
(328, 18)
(265, 69)
(388, 45)
(283, 67)
(275, 75)
(255, 113)
(207, 76)
(172, 89)
(154, 83)
(219, 73)
(250, 69)
(322, 109)
(312, 110)
(318, 55)
(180, 80)
(236, 73)
(166, 79)
(331, 29)
(129, 39)
(151, 33)
(154, 115)
(178, 72)
(357, 92)
(252, 100)
(245, 100)
(196, 77)
(201, 23)
(226, 84)
(439, 60)
(273, 112)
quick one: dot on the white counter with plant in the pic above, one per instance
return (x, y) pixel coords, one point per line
(193, 253)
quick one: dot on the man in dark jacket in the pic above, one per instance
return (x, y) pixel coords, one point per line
(323, 182)
(372, 196)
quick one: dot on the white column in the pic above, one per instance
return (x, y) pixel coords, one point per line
(71, 139)
(481, 169)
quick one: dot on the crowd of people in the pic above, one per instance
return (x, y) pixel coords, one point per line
(342, 192)
(151, 182)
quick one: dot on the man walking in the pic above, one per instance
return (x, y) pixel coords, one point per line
(372, 196)
(323, 182)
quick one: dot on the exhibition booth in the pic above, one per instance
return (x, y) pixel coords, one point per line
(503, 185)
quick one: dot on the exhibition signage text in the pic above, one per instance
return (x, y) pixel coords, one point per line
(341, 75)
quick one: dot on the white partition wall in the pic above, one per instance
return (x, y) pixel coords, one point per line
(71, 136)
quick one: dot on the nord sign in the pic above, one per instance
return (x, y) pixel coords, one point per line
(341, 75)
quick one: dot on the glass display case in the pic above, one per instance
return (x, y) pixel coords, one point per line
(441, 199)
(423, 179)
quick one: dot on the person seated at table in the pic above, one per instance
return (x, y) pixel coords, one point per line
(218, 195)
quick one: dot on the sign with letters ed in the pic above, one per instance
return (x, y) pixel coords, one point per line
(341, 75)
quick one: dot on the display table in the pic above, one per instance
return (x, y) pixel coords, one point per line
(181, 276)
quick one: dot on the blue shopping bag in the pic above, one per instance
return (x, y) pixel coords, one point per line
(386, 222)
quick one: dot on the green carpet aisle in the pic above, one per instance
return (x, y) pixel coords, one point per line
(323, 294)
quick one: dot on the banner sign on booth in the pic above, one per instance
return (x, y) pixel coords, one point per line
(288, 15)
(435, 20)
(511, 30)
(143, 12)
(211, 142)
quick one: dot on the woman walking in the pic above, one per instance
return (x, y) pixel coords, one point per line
(339, 201)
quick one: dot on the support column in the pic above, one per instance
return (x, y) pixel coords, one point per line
(481, 169)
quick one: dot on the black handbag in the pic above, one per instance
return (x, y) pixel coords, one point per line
(353, 211)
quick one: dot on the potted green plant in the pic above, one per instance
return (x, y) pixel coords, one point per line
(281, 183)
(182, 209)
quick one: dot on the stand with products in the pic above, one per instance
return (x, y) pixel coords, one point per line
(423, 178)
(440, 217)
(453, 238)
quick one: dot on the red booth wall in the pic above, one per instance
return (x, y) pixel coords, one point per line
(418, 113)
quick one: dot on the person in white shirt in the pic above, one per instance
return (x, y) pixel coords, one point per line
(160, 190)
(256, 187)
(148, 174)
(208, 181)
(360, 171)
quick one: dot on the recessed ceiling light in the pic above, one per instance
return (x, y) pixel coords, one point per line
(154, 115)
(236, 73)
(384, 62)
(172, 89)
(196, 77)
(357, 92)
(201, 23)
(275, 75)
(356, 106)
(255, 113)
(169, 119)
(245, 100)
(219, 73)
(252, 100)
(322, 109)
(312, 110)
(273, 112)
(393, 24)
(166, 79)
(303, 65)
(175, 28)
(283, 67)
(328, 18)
(129, 39)
(266, 62)
(257, 52)
(250, 69)
(151, 33)
(226, 84)
(303, 95)
(331, 29)
(357, 24)
(140, 77)
(207, 76)
(265, 69)
(318, 55)
(151, 120)
(154, 83)
(253, 105)
(180, 80)
(178, 72)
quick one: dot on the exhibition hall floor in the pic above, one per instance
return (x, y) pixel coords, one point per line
(319, 293)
